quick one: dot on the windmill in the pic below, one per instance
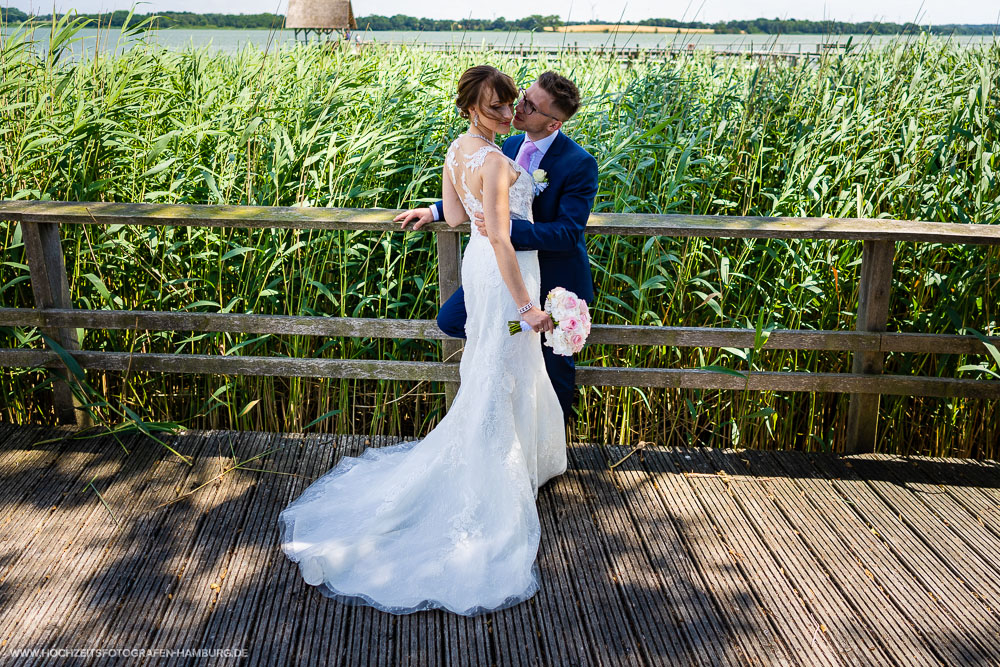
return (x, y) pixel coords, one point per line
(320, 16)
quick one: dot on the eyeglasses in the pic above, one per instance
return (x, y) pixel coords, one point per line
(530, 108)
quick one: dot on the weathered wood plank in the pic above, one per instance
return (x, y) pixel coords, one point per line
(874, 290)
(52, 505)
(23, 467)
(620, 224)
(601, 334)
(976, 494)
(226, 365)
(677, 378)
(135, 605)
(449, 280)
(943, 524)
(847, 631)
(647, 600)
(124, 562)
(857, 229)
(613, 640)
(243, 588)
(731, 593)
(50, 288)
(206, 566)
(79, 545)
(565, 639)
(304, 325)
(797, 626)
(639, 552)
(969, 616)
(890, 626)
(696, 619)
(903, 587)
(287, 597)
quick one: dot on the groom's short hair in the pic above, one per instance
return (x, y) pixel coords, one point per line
(565, 95)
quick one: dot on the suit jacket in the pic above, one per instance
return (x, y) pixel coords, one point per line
(561, 212)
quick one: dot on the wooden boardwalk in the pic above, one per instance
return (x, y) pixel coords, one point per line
(675, 557)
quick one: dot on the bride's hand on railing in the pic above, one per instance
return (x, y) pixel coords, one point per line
(538, 320)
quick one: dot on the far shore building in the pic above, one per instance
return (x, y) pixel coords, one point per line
(323, 17)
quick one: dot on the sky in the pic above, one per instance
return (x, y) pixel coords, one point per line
(895, 11)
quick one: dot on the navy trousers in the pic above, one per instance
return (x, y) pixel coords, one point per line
(451, 319)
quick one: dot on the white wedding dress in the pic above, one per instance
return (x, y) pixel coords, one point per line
(449, 521)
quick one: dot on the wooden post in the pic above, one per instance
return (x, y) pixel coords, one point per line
(449, 279)
(50, 287)
(873, 315)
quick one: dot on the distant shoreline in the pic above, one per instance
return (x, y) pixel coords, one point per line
(625, 27)
(168, 20)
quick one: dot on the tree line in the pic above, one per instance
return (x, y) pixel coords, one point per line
(760, 26)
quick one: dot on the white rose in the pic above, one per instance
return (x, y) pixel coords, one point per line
(559, 342)
(539, 175)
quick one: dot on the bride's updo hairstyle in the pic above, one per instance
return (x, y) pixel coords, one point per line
(474, 87)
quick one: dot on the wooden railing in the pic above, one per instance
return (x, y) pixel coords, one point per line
(54, 313)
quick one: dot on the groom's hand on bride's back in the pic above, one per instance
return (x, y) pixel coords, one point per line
(418, 216)
(480, 221)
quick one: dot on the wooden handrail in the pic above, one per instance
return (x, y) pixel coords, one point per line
(55, 315)
(614, 224)
(602, 334)
(373, 369)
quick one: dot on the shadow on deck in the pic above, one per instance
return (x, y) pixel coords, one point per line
(677, 556)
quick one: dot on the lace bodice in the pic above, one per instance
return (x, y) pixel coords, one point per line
(462, 165)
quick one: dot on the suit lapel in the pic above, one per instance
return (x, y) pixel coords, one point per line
(557, 147)
(550, 158)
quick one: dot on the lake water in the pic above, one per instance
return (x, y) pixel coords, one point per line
(233, 40)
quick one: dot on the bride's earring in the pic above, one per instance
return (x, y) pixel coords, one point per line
(475, 120)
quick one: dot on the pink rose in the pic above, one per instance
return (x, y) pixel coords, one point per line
(576, 340)
(570, 324)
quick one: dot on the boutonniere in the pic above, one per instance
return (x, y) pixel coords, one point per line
(541, 179)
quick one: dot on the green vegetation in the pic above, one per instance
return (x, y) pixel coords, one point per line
(534, 22)
(906, 131)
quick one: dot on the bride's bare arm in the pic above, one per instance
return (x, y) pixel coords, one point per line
(454, 212)
(496, 209)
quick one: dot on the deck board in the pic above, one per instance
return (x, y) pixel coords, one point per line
(676, 556)
(923, 556)
(78, 543)
(798, 627)
(874, 613)
(696, 619)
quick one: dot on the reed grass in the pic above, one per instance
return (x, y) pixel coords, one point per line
(906, 131)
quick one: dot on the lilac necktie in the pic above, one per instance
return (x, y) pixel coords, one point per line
(527, 151)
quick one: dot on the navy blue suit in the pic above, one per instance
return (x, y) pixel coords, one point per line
(561, 212)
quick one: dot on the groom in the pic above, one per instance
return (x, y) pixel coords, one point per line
(560, 209)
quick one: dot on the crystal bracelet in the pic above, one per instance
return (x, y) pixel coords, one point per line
(525, 308)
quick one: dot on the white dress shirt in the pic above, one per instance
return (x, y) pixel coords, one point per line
(542, 145)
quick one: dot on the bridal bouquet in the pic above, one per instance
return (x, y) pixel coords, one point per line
(571, 317)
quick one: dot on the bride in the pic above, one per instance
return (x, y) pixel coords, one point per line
(449, 521)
